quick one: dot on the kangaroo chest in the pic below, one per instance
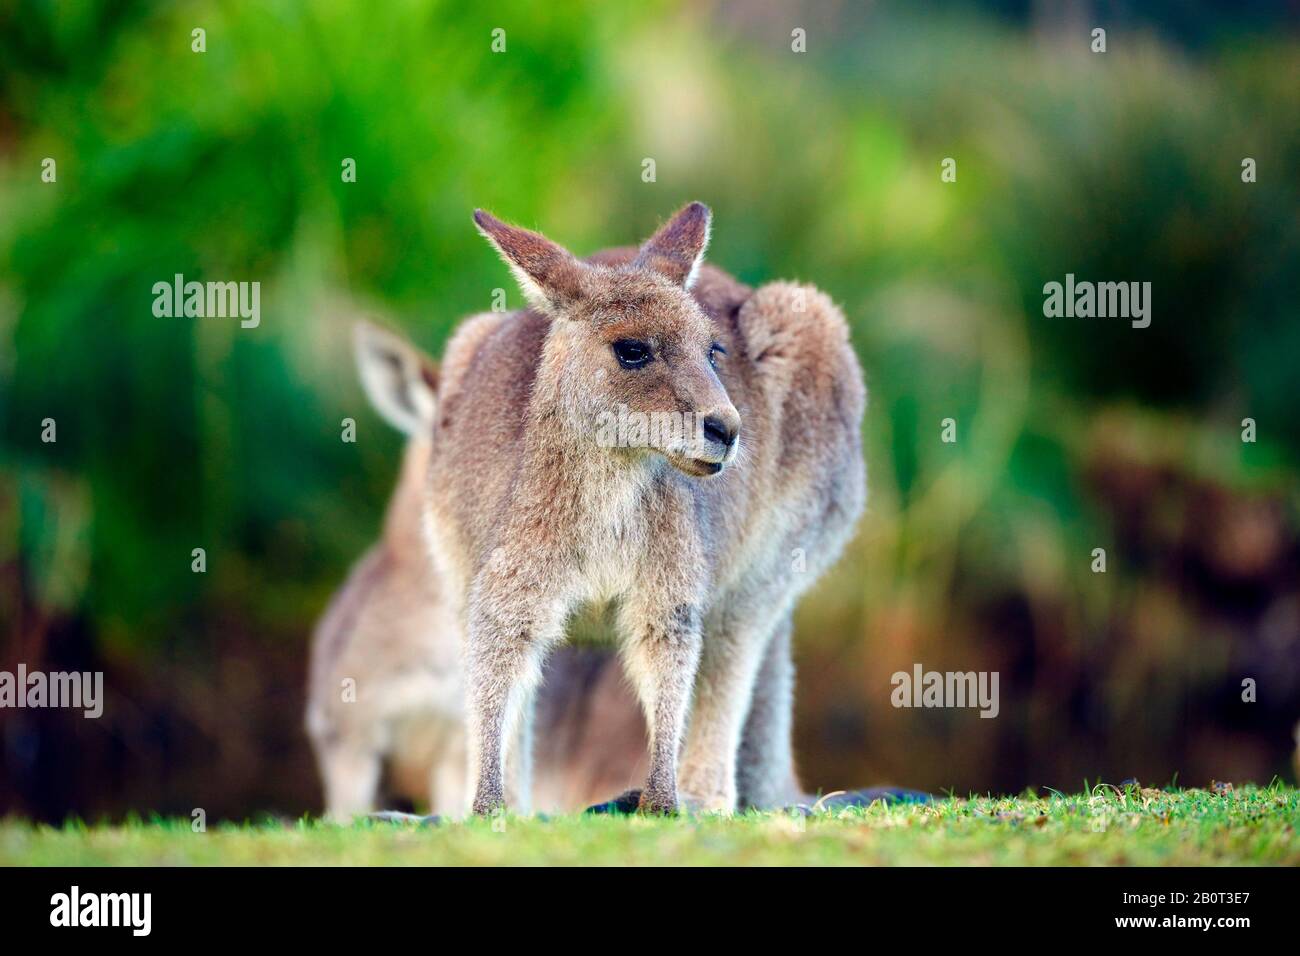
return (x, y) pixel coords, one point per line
(612, 533)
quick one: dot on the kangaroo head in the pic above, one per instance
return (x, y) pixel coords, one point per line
(630, 358)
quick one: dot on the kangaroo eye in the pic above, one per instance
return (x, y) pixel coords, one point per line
(714, 351)
(631, 353)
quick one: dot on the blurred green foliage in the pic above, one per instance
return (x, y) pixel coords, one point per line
(824, 166)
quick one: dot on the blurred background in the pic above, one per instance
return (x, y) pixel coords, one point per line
(1073, 434)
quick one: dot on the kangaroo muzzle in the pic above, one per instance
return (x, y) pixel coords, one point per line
(714, 446)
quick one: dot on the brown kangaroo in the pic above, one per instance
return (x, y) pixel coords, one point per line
(702, 536)
(385, 685)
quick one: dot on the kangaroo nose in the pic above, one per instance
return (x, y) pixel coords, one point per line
(715, 429)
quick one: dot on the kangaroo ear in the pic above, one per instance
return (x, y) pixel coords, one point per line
(548, 273)
(677, 249)
(400, 380)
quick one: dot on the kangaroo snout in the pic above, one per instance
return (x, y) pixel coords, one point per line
(717, 441)
(721, 430)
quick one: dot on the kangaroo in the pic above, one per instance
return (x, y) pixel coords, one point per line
(390, 633)
(702, 538)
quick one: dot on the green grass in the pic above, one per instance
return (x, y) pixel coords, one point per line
(1104, 826)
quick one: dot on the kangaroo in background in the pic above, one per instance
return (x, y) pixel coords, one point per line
(390, 631)
(703, 540)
